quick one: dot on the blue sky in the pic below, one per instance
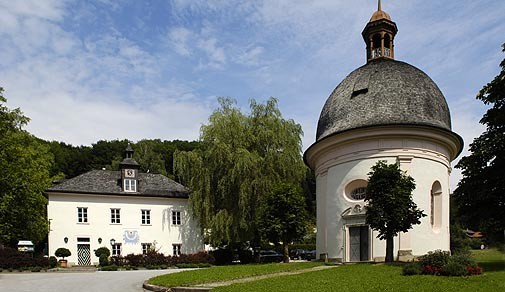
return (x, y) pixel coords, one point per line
(90, 70)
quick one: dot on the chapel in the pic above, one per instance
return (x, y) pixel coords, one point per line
(384, 110)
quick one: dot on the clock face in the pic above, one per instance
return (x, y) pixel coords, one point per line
(129, 173)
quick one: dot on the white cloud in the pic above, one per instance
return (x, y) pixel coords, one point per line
(179, 38)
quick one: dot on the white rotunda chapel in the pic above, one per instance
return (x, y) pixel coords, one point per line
(385, 110)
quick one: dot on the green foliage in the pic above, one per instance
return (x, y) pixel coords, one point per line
(103, 260)
(25, 165)
(454, 268)
(283, 217)
(62, 252)
(53, 262)
(242, 157)
(390, 208)
(464, 257)
(109, 268)
(102, 251)
(480, 195)
(459, 239)
(436, 258)
(412, 268)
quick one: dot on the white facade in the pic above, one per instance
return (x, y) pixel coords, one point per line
(69, 228)
(342, 163)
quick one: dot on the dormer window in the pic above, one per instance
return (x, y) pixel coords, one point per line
(130, 185)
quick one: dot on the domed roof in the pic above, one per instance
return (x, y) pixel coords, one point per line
(384, 92)
(379, 14)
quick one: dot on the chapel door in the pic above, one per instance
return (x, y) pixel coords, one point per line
(358, 243)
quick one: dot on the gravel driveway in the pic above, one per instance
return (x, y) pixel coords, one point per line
(120, 281)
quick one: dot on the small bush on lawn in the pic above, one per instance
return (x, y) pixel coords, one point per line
(474, 270)
(464, 257)
(435, 259)
(453, 268)
(110, 268)
(53, 262)
(412, 268)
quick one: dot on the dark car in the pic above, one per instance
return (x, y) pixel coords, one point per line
(309, 255)
(270, 256)
(297, 254)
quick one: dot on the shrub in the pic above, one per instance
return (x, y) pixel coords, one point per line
(117, 261)
(412, 268)
(62, 252)
(110, 268)
(453, 268)
(431, 270)
(53, 262)
(155, 258)
(245, 256)
(13, 259)
(475, 243)
(474, 270)
(464, 258)
(103, 260)
(435, 259)
(135, 260)
(102, 250)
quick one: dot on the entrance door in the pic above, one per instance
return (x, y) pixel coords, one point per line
(358, 243)
(83, 255)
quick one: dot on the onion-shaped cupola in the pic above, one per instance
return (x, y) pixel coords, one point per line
(379, 35)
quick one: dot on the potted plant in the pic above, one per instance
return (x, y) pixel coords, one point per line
(62, 253)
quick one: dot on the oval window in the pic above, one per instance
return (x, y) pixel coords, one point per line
(358, 194)
(356, 190)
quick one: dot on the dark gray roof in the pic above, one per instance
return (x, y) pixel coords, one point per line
(108, 182)
(384, 92)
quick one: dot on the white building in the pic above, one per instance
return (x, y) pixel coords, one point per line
(385, 110)
(126, 211)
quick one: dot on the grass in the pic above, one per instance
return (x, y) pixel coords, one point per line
(224, 273)
(357, 277)
(379, 277)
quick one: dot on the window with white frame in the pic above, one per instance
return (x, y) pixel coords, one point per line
(146, 217)
(176, 249)
(146, 247)
(115, 216)
(82, 214)
(116, 249)
(176, 218)
(130, 185)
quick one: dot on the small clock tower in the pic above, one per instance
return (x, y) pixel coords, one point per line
(129, 171)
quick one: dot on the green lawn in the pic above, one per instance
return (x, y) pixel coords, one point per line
(357, 277)
(223, 273)
(365, 277)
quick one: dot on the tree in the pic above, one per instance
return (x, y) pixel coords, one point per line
(241, 158)
(62, 252)
(283, 217)
(25, 163)
(390, 208)
(480, 195)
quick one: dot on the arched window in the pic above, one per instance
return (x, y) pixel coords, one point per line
(436, 206)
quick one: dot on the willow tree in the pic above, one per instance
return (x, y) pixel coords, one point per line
(242, 157)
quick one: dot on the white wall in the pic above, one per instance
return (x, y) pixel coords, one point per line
(62, 214)
(341, 159)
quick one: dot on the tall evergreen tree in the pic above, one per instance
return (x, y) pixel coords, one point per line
(242, 157)
(390, 208)
(480, 196)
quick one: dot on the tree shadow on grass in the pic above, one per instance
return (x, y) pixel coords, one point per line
(494, 266)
